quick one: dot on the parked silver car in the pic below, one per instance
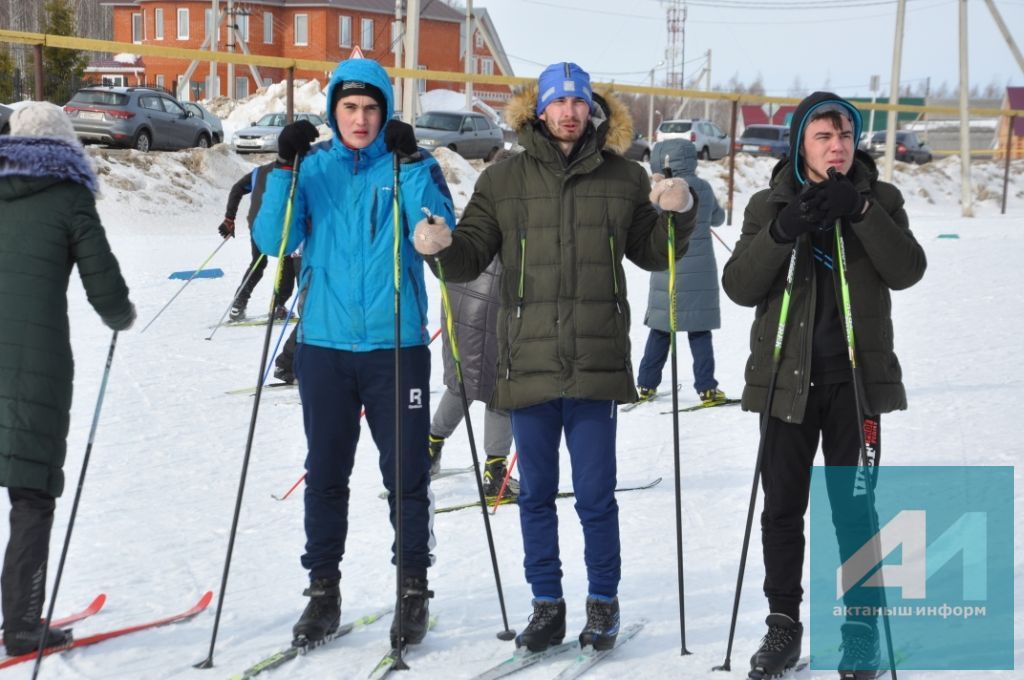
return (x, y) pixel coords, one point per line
(261, 136)
(471, 135)
(141, 118)
(709, 139)
(199, 111)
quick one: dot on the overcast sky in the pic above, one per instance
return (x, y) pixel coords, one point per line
(838, 44)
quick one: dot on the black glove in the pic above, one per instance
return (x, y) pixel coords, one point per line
(295, 139)
(803, 214)
(227, 228)
(841, 198)
(400, 137)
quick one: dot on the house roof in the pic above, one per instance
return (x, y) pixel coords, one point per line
(780, 116)
(437, 11)
(753, 114)
(1015, 95)
(485, 21)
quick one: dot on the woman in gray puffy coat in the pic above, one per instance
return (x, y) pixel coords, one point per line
(697, 310)
(475, 318)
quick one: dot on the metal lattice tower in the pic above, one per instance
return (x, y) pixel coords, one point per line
(675, 52)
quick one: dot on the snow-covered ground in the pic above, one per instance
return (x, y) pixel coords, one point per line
(153, 523)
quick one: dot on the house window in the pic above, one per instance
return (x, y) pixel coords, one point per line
(345, 31)
(158, 24)
(241, 86)
(268, 28)
(182, 24)
(136, 28)
(242, 24)
(113, 81)
(421, 84)
(486, 66)
(301, 29)
(160, 80)
(395, 37)
(208, 24)
(366, 34)
(478, 40)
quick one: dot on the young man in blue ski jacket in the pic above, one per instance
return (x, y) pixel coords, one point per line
(343, 214)
(824, 182)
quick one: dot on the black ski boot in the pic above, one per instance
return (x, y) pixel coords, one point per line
(546, 627)
(27, 641)
(322, 614)
(434, 446)
(415, 611)
(861, 655)
(780, 648)
(602, 623)
(495, 469)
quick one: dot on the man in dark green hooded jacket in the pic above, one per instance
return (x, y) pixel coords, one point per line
(823, 187)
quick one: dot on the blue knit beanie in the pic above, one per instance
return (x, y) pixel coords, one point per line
(564, 79)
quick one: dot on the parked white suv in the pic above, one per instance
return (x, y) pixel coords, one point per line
(709, 139)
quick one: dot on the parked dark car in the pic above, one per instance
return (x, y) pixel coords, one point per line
(639, 149)
(140, 118)
(5, 117)
(471, 135)
(199, 111)
(765, 140)
(909, 148)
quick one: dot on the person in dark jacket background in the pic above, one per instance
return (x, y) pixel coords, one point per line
(562, 215)
(253, 183)
(697, 309)
(814, 394)
(475, 319)
(49, 226)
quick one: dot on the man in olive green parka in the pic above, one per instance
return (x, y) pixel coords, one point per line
(562, 215)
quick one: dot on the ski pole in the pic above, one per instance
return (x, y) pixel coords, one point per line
(504, 483)
(74, 505)
(769, 398)
(507, 633)
(302, 477)
(672, 328)
(399, 664)
(866, 463)
(724, 244)
(231, 304)
(285, 232)
(185, 285)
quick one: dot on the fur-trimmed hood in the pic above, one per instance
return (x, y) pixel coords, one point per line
(610, 117)
(45, 158)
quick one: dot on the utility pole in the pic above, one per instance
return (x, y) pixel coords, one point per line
(650, 104)
(707, 86)
(412, 53)
(1006, 33)
(399, 40)
(230, 24)
(966, 209)
(212, 89)
(469, 53)
(894, 91)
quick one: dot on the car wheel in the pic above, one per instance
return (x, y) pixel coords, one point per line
(203, 142)
(142, 141)
(705, 154)
(646, 157)
(490, 155)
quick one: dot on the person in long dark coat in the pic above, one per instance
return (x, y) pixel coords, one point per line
(49, 226)
(697, 309)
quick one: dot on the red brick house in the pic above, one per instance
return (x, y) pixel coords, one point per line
(326, 30)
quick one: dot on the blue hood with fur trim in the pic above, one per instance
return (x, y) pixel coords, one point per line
(46, 157)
